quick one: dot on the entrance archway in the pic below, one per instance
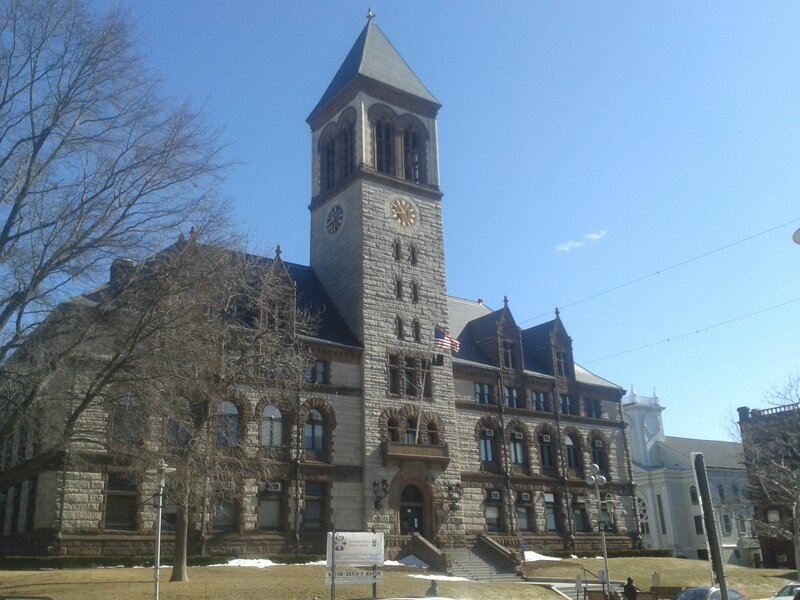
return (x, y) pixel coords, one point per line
(412, 511)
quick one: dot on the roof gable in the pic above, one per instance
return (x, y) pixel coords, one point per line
(374, 57)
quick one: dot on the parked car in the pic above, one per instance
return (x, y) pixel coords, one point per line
(708, 593)
(787, 591)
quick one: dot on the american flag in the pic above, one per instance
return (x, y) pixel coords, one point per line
(444, 341)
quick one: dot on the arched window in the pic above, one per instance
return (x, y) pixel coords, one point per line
(384, 146)
(546, 452)
(271, 427)
(412, 254)
(315, 431)
(394, 430)
(328, 165)
(410, 432)
(347, 150)
(412, 156)
(227, 425)
(599, 455)
(573, 456)
(487, 446)
(693, 496)
(126, 424)
(433, 434)
(518, 458)
(721, 493)
(397, 250)
(177, 425)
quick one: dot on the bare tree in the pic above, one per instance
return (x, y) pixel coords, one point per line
(146, 367)
(771, 447)
(94, 164)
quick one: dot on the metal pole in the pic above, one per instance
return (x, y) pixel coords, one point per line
(159, 506)
(607, 579)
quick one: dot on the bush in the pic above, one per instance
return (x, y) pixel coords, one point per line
(35, 563)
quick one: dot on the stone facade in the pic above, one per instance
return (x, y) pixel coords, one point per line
(490, 438)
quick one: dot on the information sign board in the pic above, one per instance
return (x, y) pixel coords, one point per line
(355, 549)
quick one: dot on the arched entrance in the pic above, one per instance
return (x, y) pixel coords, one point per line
(412, 510)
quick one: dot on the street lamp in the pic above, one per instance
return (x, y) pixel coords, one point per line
(158, 499)
(796, 237)
(594, 478)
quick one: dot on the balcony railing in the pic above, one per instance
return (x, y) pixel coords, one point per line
(400, 451)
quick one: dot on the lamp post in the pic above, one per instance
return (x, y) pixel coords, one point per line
(796, 237)
(594, 478)
(161, 471)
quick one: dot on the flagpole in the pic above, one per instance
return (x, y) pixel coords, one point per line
(421, 397)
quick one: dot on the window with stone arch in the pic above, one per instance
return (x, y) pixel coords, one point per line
(518, 449)
(414, 140)
(573, 453)
(487, 444)
(127, 421)
(315, 432)
(433, 434)
(393, 429)
(271, 427)
(547, 454)
(227, 425)
(384, 145)
(600, 454)
(337, 151)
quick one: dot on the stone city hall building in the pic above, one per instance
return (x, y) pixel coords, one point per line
(480, 434)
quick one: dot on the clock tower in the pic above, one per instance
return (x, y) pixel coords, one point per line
(377, 247)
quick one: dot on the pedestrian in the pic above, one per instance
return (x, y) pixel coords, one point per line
(432, 591)
(629, 591)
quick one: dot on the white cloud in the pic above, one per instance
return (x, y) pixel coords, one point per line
(589, 237)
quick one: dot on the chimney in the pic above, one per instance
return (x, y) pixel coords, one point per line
(744, 413)
(121, 271)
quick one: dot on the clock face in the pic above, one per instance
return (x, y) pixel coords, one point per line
(335, 217)
(404, 212)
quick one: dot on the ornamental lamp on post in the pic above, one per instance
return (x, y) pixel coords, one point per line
(161, 471)
(596, 479)
(454, 493)
(381, 490)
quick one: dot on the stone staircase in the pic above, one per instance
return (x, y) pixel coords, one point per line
(466, 562)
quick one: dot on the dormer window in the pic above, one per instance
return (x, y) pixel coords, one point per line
(509, 361)
(561, 363)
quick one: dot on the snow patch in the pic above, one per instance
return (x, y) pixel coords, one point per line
(440, 577)
(256, 563)
(531, 556)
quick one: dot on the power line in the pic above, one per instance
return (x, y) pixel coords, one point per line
(694, 332)
(664, 270)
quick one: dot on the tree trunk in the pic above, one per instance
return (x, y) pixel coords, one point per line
(179, 569)
(796, 536)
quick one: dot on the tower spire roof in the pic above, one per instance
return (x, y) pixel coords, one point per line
(374, 57)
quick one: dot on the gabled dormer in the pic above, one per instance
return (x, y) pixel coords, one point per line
(498, 337)
(548, 348)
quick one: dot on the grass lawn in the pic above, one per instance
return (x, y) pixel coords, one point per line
(307, 582)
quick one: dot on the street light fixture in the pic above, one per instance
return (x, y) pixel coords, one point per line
(796, 237)
(594, 478)
(161, 471)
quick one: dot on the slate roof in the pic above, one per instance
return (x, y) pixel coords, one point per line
(471, 322)
(724, 455)
(374, 57)
(311, 296)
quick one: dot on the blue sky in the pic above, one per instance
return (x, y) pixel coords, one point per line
(583, 146)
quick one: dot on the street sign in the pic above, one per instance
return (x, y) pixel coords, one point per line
(355, 577)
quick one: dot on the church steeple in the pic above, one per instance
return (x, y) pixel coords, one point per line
(373, 58)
